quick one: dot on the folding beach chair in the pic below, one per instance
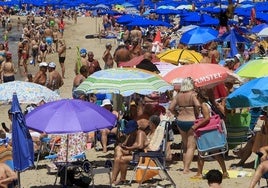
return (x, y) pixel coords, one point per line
(158, 157)
(211, 141)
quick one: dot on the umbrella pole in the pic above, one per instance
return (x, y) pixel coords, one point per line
(18, 175)
(65, 170)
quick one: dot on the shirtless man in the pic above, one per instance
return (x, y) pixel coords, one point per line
(135, 49)
(121, 54)
(136, 33)
(62, 56)
(48, 34)
(107, 57)
(92, 63)
(82, 60)
(55, 80)
(8, 69)
(7, 175)
(41, 76)
(55, 40)
(78, 79)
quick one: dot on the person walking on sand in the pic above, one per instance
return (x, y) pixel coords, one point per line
(8, 69)
(55, 80)
(41, 76)
(62, 56)
(185, 107)
(107, 57)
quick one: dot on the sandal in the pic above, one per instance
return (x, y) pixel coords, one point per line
(197, 177)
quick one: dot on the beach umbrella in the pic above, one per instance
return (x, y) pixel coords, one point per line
(254, 68)
(202, 74)
(177, 56)
(22, 144)
(69, 116)
(27, 92)
(263, 32)
(258, 28)
(164, 67)
(251, 94)
(199, 35)
(187, 28)
(124, 81)
(233, 36)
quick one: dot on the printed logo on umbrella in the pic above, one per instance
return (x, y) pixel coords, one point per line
(208, 78)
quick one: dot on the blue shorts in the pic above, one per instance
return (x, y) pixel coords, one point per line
(185, 125)
(49, 40)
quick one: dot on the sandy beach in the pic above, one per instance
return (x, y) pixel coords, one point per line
(75, 36)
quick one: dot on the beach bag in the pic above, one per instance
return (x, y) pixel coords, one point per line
(214, 123)
(149, 173)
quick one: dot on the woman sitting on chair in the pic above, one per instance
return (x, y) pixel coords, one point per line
(151, 142)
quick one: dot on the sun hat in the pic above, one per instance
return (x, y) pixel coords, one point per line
(43, 64)
(106, 102)
(52, 65)
(130, 127)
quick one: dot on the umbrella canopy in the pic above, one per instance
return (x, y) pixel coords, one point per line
(27, 92)
(199, 35)
(124, 81)
(233, 36)
(202, 74)
(258, 28)
(263, 32)
(177, 56)
(22, 144)
(69, 116)
(254, 68)
(250, 94)
(164, 67)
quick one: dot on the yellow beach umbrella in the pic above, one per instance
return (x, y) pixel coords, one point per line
(182, 56)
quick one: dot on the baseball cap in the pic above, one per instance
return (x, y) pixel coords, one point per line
(52, 65)
(43, 64)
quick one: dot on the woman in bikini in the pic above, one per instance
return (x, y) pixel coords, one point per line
(185, 107)
(43, 50)
(2, 53)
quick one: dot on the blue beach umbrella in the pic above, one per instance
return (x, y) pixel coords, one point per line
(251, 94)
(22, 144)
(199, 35)
(258, 28)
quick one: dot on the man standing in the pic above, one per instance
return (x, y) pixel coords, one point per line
(107, 57)
(92, 63)
(55, 80)
(41, 76)
(62, 55)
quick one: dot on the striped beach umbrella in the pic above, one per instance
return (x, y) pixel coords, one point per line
(124, 81)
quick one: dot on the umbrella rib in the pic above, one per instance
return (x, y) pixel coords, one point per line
(195, 57)
(180, 56)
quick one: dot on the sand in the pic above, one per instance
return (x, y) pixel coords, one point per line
(75, 36)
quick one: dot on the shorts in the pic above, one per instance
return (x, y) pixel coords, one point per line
(61, 59)
(8, 78)
(49, 40)
(34, 52)
(185, 125)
